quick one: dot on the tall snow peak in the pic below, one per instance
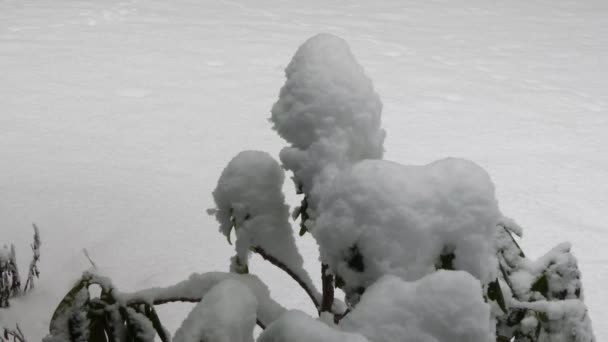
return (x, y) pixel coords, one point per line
(328, 111)
(382, 217)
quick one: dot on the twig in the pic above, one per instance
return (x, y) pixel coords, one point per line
(16, 334)
(86, 254)
(295, 277)
(183, 300)
(33, 271)
(327, 280)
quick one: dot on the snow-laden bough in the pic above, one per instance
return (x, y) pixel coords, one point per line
(381, 217)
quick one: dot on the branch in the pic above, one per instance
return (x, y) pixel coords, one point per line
(33, 271)
(183, 300)
(12, 265)
(86, 254)
(328, 289)
(196, 286)
(310, 292)
(17, 335)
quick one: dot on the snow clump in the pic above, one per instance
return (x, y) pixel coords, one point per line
(382, 217)
(330, 114)
(296, 326)
(442, 307)
(249, 198)
(227, 313)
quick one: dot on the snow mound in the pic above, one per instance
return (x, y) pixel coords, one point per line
(382, 218)
(296, 326)
(328, 111)
(249, 198)
(249, 188)
(227, 313)
(198, 285)
(444, 306)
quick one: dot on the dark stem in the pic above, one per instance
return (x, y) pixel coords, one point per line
(162, 301)
(295, 277)
(17, 335)
(327, 280)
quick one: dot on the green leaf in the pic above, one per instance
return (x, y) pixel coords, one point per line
(66, 304)
(495, 294)
(355, 260)
(542, 316)
(303, 216)
(97, 329)
(339, 283)
(115, 324)
(541, 285)
(446, 261)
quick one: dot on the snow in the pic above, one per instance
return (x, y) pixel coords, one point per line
(296, 326)
(144, 330)
(569, 320)
(66, 323)
(250, 199)
(227, 313)
(197, 285)
(329, 112)
(443, 306)
(5, 254)
(550, 286)
(119, 116)
(400, 219)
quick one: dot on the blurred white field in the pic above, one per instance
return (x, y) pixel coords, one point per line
(116, 119)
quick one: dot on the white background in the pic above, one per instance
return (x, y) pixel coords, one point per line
(116, 119)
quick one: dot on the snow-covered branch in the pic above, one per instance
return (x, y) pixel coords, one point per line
(16, 334)
(10, 279)
(33, 269)
(311, 292)
(327, 280)
(197, 285)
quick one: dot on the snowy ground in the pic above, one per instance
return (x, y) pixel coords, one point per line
(117, 117)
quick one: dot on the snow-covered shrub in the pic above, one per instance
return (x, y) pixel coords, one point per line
(330, 114)
(423, 253)
(10, 279)
(381, 218)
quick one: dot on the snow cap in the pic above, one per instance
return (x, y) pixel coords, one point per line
(444, 306)
(329, 112)
(382, 217)
(249, 187)
(227, 313)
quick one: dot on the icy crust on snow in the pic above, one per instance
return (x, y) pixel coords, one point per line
(227, 313)
(383, 218)
(296, 326)
(329, 112)
(444, 306)
(249, 198)
(198, 285)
